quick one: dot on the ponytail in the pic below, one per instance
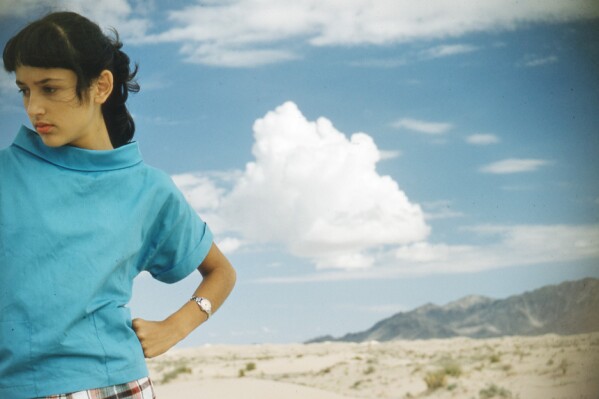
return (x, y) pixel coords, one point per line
(119, 122)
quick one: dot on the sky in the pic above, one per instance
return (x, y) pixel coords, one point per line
(359, 158)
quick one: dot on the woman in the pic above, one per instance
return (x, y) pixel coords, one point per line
(80, 216)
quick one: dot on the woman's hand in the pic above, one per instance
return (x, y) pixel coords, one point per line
(156, 337)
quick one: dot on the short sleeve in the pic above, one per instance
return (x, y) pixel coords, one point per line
(178, 240)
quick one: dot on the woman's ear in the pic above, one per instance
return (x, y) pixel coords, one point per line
(103, 86)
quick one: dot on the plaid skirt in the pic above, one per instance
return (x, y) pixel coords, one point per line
(140, 389)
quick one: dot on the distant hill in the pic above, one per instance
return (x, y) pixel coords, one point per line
(567, 308)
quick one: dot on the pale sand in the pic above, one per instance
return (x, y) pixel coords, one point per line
(246, 388)
(546, 367)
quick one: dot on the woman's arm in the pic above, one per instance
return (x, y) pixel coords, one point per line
(218, 279)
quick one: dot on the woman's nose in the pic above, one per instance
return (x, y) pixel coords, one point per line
(35, 105)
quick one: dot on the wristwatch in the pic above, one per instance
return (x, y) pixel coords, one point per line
(204, 304)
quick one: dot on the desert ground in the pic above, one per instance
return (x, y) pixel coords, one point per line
(545, 367)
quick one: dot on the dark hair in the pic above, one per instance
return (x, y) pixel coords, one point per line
(71, 41)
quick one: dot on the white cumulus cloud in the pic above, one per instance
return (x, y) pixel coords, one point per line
(313, 190)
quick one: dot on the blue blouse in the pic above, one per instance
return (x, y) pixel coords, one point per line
(76, 227)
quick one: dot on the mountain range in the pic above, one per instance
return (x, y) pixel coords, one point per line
(568, 308)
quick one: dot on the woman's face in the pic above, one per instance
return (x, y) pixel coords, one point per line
(55, 111)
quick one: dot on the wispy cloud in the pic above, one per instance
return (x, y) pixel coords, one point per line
(157, 120)
(157, 81)
(510, 246)
(235, 56)
(229, 245)
(482, 139)
(117, 14)
(383, 63)
(420, 126)
(8, 89)
(245, 33)
(255, 32)
(536, 61)
(512, 165)
(389, 154)
(440, 51)
(440, 210)
(7, 82)
(447, 50)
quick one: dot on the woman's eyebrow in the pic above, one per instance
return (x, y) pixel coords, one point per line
(39, 82)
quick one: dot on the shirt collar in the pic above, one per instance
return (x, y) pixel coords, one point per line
(75, 158)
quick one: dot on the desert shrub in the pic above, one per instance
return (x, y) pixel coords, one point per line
(495, 358)
(171, 375)
(435, 379)
(452, 369)
(369, 370)
(493, 391)
(248, 367)
(563, 366)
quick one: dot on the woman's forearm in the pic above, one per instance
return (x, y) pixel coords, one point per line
(218, 279)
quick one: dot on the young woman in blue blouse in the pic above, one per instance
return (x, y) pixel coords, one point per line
(81, 215)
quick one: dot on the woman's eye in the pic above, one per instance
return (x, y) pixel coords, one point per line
(49, 90)
(24, 92)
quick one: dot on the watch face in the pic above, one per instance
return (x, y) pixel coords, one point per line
(206, 304)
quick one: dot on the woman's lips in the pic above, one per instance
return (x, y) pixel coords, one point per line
(43, 128)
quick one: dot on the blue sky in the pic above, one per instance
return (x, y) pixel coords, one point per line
(355, 159)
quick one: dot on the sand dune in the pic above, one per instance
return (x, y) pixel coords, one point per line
(550, 366)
